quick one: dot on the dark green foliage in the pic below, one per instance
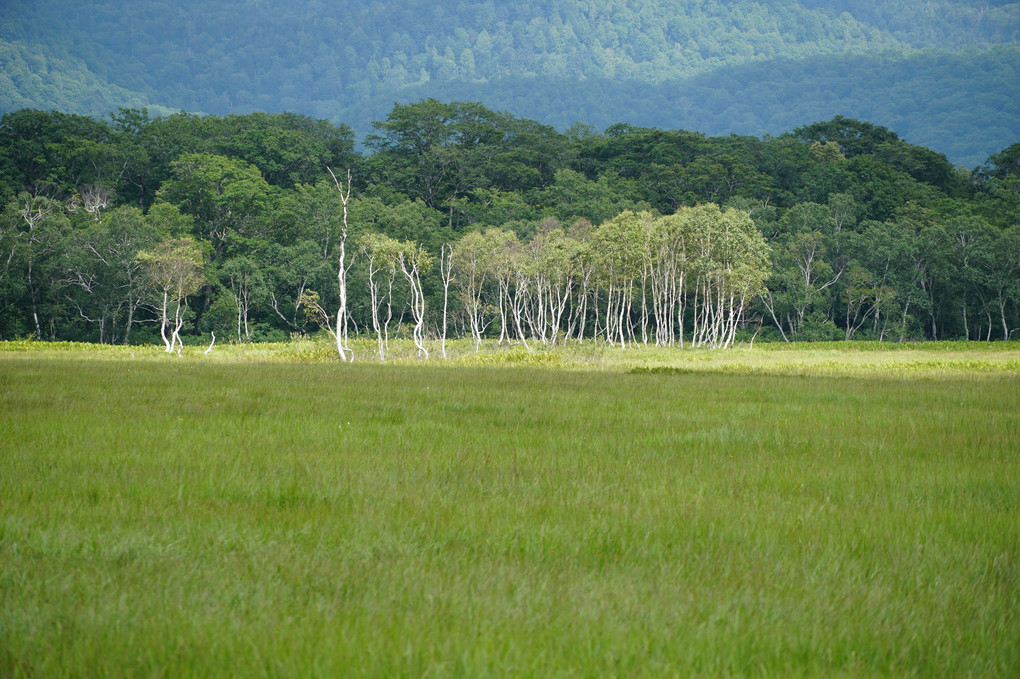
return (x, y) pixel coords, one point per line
(438, 152)
(1003, 165)
(870, 236)
(853, 136)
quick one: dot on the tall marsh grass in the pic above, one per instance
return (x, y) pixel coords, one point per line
(913, 359)
(241, 517)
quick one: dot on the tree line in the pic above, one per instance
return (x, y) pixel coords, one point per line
(454, 220)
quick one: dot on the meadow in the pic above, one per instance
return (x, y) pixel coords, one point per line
(831, 510)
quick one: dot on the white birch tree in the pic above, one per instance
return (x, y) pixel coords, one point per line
(342, 345)
(175, 271)
(472, 256)
(446, 275)
(381, 254)
(414, 261)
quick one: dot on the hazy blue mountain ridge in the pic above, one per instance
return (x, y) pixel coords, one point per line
(699, 64)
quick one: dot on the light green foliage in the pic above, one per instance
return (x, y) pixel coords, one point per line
(174, 269)
(554, 254)
(206, 516)
(380, 247)
(619, 246)
(514, 358)
(174, 266)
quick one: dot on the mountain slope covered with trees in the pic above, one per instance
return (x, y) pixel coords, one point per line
(746, 67)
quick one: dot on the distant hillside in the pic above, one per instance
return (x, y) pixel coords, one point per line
(53, 79)
(963, 104)
(748, 67)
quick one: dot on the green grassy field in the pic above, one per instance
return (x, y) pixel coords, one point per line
(825, 511)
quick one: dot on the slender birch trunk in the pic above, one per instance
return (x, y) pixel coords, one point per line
(342, 346)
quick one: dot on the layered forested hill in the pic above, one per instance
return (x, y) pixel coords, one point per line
(935, 71)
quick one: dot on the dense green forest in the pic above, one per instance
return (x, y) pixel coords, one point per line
(934, 71)
(463, 221)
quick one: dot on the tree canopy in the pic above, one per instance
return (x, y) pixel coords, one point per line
(483, 224)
